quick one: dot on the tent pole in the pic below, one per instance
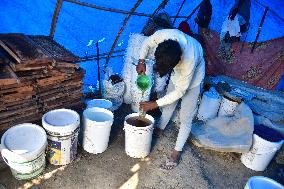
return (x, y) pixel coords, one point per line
(162, 5)
(193, 11)
(259, 29)
(120, 31)
(179, 11)
(55, 17)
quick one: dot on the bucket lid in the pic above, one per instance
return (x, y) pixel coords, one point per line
(261, 182)
(24, 138)
(61, 120)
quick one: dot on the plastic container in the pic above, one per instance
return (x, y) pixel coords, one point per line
(62, 127)
(138, 139)
(209, 106)
(260, 154)
(227, 107)
(96, 129)
(260, 182)
(23, 149)
(100, 103)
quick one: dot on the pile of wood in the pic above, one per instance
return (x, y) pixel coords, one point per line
(35, 77)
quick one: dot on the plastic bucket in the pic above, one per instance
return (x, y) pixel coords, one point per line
(260, 182)
(260, 154)
(100, 103)
(227, 107)
(62, 127)
(97, 124)
(208, 107)
(23, 149)
(138, 139)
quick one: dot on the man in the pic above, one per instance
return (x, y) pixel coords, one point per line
(181, 56)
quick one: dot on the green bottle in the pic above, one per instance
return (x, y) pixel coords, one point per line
(143, 82)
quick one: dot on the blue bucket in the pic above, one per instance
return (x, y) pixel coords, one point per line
(260, 182)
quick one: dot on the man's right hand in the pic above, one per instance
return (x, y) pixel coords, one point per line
(141, 67)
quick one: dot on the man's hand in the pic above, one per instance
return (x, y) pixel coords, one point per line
(147, 106)
(141, 67)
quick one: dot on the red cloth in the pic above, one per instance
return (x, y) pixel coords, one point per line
(264, 67)
(184, 27)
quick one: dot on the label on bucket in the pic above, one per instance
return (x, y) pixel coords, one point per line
(54, 152)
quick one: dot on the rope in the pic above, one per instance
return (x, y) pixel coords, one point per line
(179, 11)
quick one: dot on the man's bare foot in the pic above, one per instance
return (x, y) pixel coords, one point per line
(173, 161)
(158, 133)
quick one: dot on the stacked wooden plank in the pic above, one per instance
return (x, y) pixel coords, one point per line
(35, 79)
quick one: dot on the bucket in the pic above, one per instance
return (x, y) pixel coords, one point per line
(100, 103)
(97, 124)
(62, 127)
(23, 150)
(260, 154)
(260, 182)
(138, 139)
(227, 107)
(209, 106)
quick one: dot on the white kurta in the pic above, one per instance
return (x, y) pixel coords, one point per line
(189, 72)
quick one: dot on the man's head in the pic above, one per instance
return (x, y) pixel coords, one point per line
(167, 55)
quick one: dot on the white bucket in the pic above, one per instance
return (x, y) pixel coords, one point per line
(138, 139)
(260, 182)
(62, 127)
(227, 107)
(100, 103)
(97, 124)
(23, 149)
(208, 107)
(260, 154)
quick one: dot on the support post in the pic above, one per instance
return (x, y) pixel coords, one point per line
(193, 11)
(99, 72)
(55, 17)
(162, 5)
(178, 11)
(259, 29)
(120, 31)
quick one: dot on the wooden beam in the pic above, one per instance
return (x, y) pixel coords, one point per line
(112, 9)
(162, 5)
(55, 17)
(121, 30)
(178, 11)
(193, 11)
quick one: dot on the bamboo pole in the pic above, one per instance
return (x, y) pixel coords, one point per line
(55, 17)
(193, 11)
(178, 11)
(112, 9)
(121, 30)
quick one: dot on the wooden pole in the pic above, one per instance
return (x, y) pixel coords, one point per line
(99, 69)
(178, 11)
(121, 30)
(162, 5)
(193, 11)
(259, 29)
(55, 17)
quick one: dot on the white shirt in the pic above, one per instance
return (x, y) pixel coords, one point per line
(231, 26)
(189, 72)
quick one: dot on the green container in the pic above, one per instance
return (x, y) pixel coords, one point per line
(143, 82)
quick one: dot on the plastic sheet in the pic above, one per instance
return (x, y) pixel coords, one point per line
(226, 133)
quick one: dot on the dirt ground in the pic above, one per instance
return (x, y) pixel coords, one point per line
(199, 168)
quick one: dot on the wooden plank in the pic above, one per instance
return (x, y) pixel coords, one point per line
(25, 110)
(22, 89)
(17, 106)
(11, 53)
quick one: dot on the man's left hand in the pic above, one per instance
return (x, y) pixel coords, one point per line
(147, 106)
